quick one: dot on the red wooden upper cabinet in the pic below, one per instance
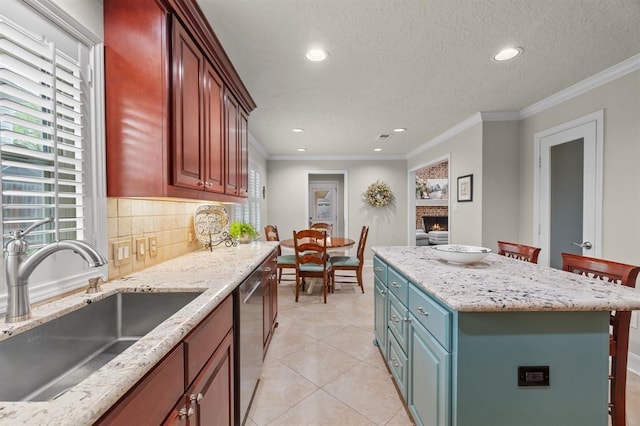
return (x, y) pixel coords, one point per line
(176, 110)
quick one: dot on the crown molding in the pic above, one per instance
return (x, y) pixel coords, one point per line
(500, 116)
(448, 134)
(584, 86)
(257, 146)
(336, 157)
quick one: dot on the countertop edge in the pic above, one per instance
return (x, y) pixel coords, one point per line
(86, 402)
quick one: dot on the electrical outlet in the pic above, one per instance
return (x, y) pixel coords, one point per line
(122, 253)
(153, 246)
(634, 319)
(141, 250)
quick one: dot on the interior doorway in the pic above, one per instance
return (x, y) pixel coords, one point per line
(327, 199)
(569, 190)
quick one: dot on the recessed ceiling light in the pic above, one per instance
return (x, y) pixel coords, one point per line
(302, 149)
(399, 129)
(317, 55)
(508, 53)
(377, 149)
(297, 130)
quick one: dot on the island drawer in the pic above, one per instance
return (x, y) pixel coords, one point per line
(398, 285)
(396, 323)
(380, 270)
(397, 361)
(435, 318)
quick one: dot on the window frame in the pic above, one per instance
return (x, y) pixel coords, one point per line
(95, 198)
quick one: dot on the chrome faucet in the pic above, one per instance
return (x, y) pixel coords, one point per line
(19, 266)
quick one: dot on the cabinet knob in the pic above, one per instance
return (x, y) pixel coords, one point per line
(383, 292)
(196, 398)
(200, 183)
(267, 268)
(395, 319)
(395, 284)
(422, 311)
(378, 269)
(406, 319)
(185, 413)
(394, 361)
(208, 184)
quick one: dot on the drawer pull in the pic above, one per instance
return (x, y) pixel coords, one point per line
(196, 398)
(422, 311)
(378, 269)
(267, 268)
(395, 284)
(406, 319)
(383, 292)
(394, 361)
(395, 319)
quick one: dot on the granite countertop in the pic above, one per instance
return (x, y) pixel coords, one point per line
(215, 273)
(500, 284)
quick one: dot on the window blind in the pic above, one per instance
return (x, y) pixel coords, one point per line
(41, 134)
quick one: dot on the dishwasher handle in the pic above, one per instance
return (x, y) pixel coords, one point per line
(252, 290)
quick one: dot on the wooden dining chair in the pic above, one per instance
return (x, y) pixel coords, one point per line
(311, 259)
(350, 263)
(287, 261)
(620, 321)
(321, 225)
(519, 251)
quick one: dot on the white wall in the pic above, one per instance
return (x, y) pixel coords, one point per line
(620, 100)
(500, 182)
(465, 150)
(287, 193)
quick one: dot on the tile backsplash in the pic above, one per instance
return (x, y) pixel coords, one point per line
(130, 220)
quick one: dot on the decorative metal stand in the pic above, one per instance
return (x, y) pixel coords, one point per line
(227, 239)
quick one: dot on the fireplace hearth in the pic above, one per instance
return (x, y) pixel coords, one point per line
(435, 223)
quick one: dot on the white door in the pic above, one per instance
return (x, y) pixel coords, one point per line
(323, 203)
(569, 190)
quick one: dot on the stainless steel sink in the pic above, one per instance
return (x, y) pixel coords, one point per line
(43, 363)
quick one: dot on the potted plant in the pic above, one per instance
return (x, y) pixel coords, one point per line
(242, 232)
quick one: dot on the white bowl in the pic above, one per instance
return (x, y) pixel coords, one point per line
(461, 254)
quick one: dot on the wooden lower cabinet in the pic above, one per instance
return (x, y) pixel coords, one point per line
(153, 397)
(193, 385)
(210, 397)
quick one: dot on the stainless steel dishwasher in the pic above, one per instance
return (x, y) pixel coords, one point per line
(251, 339)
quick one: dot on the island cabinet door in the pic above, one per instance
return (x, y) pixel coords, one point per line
(429, 383)
(380, 314)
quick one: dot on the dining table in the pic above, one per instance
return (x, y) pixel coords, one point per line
(334, 244)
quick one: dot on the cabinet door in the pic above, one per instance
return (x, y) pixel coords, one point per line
(213, 130)
(188, 65)
(429, 384)
(243, 158)
(152, 399)
(231, 140)
(380, 314)
(211, 394)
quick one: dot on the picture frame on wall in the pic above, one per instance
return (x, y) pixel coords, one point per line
(465, 188)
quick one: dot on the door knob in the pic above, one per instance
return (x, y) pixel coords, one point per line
(586, 245)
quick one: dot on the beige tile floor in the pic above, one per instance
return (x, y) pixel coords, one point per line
(322, 369)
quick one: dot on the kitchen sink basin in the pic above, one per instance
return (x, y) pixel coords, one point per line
(41, 364)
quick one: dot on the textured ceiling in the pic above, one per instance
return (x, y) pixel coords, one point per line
(421, 64)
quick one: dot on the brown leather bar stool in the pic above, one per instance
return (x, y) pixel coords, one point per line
(518, 251)
(620, 321)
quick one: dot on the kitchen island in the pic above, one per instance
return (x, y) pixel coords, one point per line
(216, 274)
(499, 342)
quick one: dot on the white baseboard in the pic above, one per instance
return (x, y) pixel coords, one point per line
(633, 363)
